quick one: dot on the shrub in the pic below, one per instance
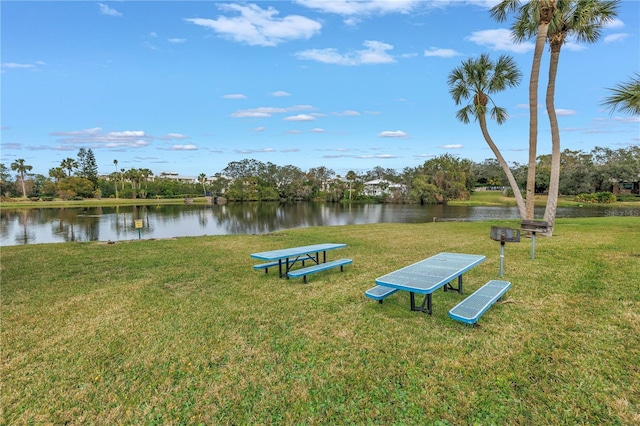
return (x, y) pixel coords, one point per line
(597, 197)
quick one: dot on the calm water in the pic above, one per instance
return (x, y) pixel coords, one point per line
(33, 226)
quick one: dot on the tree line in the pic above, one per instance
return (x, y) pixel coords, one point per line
(438, 180)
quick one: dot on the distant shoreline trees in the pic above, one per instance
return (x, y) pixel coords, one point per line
(438, 180)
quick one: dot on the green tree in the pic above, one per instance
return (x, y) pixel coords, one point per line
(69, 164)
(351, 178)
(57, 173)
(582, 20)
(89, 167)
(115, 177)
(474, 81)
(625, 97)
(202, 178)
(20, 167)
(490, 173)
(74, 185)
(540, 12)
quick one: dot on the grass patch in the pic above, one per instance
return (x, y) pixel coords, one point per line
(184, 331)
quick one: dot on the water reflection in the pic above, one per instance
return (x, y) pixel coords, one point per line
(30, 226)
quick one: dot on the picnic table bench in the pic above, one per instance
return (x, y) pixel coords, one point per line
(303, 272)
(471, 309)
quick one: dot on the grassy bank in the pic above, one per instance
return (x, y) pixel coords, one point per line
(184, 331)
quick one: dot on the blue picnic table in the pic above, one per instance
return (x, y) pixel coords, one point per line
(286, 258)
(425, 277)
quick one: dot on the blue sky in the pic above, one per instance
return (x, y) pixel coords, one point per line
(191, 86)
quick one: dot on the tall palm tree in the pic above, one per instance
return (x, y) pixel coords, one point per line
(69, 164)
(115, 164)
(583, 20)
(202, 178)
(542, 12)
(21, 168)
(476, 80)
(625, 97)
(351, 177)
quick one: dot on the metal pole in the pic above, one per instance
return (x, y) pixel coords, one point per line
(501, 257)
(533, 244)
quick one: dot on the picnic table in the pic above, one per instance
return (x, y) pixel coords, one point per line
(286, 258)
(425, 277)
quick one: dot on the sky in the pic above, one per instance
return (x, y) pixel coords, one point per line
(191, 86)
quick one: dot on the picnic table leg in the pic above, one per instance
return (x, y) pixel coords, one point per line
(460, 284)
(287, 272)
(280, 267)
(421, 308)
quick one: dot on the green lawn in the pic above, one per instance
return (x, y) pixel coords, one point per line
(184, 331)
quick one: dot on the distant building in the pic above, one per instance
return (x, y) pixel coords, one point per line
(176, 177)
(379, 187)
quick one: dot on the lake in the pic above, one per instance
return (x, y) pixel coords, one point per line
(52, 225)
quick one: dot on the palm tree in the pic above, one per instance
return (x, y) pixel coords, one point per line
(351, 177)
(57, 173)
(625, 97)
(476, 80)
(115, 163)
(540, 12)
(21, 168)
(69, 164)
(582, 19)
(202, 178)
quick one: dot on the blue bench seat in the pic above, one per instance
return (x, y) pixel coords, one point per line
(471, 309)
(268, 265)
(303, 272)
(265, 266)
(379, 292)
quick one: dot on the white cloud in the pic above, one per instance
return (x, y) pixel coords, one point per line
(441, 53)
(360, 7)
(97, 138)
(614, 38)
(347, 113)
(375, 53)
(300, 117)
(254, 151)
(393, 134)
(452, 146)
(177, 40)
(280, 93)
(499, 39)
(13, 65)
(259, 27)
(175, 136)
(259, 129)
(565, 112)
(184, 148)
(614, 23)
(106, 10)
(234, 96)
(317, 130)
(263, 112)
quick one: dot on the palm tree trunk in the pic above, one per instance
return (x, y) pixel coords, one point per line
(554, 180)
(505, 167)
(24, 189)
(533, 117)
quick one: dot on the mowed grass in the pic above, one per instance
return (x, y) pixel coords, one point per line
(184, 331)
